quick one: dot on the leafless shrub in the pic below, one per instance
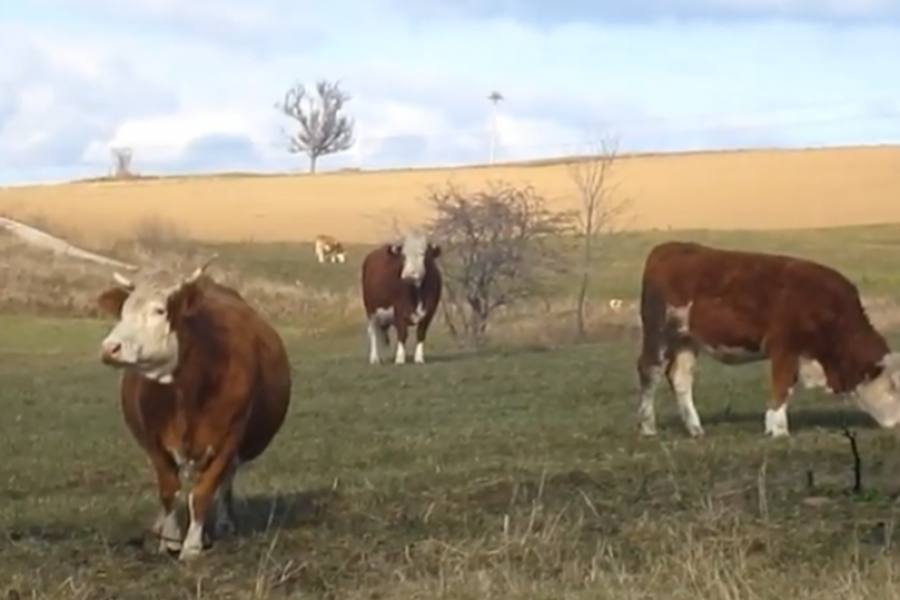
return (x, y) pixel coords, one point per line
(121, 163)
(321, 126)
(602, 209)
(497, 243)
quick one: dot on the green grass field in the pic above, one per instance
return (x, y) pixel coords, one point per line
(868, 254)
(513, 473)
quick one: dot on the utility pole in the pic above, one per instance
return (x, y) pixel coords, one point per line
(495, 97)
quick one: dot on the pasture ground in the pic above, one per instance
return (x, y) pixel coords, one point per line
(514, 474)
(754, 189)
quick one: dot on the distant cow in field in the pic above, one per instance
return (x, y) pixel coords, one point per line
(401, 286)
(806, 319)
(205, 387)
(328, 247)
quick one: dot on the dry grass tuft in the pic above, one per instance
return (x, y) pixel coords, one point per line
(36, 281)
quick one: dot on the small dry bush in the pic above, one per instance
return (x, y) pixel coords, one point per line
(34, 280)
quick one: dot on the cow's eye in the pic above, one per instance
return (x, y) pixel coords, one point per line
(159, 310)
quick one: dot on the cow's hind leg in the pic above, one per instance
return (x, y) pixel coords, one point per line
(224, 518)
(782, 376)
(402, 334)
(680, 374)
(649, 370)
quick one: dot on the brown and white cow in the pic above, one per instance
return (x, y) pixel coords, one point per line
(328, 247)
(806, 319)
(401, 286)
(205, 387)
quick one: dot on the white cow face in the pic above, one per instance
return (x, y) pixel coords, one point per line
(416, 251)
(880, 396)
(145, 339)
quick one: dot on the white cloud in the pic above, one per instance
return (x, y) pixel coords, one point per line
(171, 79)
(164, 137)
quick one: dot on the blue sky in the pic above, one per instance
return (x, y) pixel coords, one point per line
(191, 85)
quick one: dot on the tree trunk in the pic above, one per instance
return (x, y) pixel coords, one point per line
(583, 289)
(579, 310)
(312, 163)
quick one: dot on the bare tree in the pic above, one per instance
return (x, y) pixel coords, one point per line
(496, 245)
(322, 128)
(602, 209)
(121, 163)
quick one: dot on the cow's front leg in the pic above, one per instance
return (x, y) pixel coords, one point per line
(201, 498)
(375, 338)
(421, 332)
(166, 527)
(402, 334)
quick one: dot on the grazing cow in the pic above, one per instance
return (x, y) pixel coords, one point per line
(205, 387)
(806, 319)
(401, 286)
(330, 248)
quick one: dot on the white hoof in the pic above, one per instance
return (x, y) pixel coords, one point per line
(648, 429)
(189, 553)
(168, 532)
(776, 422)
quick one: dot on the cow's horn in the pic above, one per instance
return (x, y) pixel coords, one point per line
(123, 281)
(201, 269)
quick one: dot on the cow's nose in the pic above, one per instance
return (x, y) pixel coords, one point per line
(110, 349)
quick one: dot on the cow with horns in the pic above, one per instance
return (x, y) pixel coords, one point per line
(205, 387)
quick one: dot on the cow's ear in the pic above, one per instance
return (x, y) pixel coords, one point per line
(110, 302)
(184, 303)
(435, 250)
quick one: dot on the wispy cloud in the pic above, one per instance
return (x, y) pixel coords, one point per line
(179, 81)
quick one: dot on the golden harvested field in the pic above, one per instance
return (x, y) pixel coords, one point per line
(766, 189)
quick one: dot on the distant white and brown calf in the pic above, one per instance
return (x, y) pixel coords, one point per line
(329, 248)
(401, 286)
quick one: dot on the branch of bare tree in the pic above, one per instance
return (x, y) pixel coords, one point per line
(603, 209)
(121, 167)
(321, 126)
(497, 243)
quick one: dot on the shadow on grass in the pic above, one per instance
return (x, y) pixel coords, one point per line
(260, 513)
(798, 419)
(255, 515)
